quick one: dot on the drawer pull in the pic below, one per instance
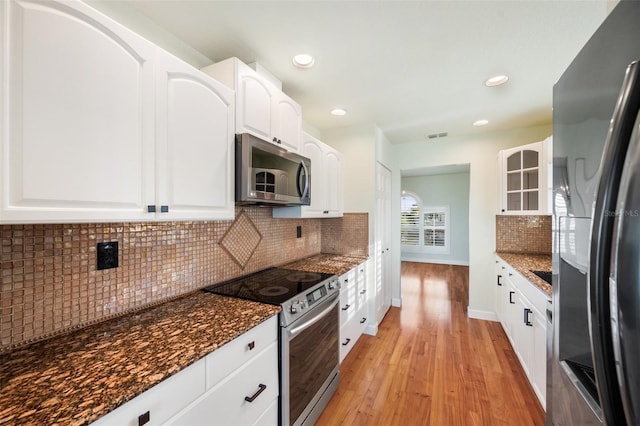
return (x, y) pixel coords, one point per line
(255, 395)
(363, 291)
(511, 293)
(143, 419)
(251, 345)
(346, 307)
(346, 342)
(363, 320)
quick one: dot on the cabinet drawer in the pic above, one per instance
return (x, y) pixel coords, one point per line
(349, 335)
(240, 350)
(161, 401)
(348, 304)
(226, 404)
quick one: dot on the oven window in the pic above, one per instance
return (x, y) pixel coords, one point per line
(313, 355)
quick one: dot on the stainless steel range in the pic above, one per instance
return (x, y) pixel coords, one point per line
(309, 335)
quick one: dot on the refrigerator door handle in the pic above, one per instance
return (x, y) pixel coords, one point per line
(624, 282)
(611, 166)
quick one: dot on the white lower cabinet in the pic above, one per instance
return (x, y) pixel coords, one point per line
(520, 306)
(239, 399)
(353, 308)
(235, 385)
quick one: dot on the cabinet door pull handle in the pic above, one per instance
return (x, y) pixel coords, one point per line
(151, 209)
(346, 342)
(363, 320)
(251, 345)
(164, 209)
(143, 419)
(363, 291)
(511, 293)
(255, 395)
(499, 283)
(510, 274)
(347, 306)
(527, 311)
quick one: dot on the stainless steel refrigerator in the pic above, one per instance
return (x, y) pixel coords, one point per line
(594, 349)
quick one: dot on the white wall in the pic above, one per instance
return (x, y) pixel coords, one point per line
(450, 190)
(125, 14)
(481, 153)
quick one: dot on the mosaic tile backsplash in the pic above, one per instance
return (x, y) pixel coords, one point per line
(523, 234)
(50, 282)
(347, 235)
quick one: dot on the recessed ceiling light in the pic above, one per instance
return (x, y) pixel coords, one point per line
(303, 60)
(339, 111)
(496, 80)
(481, 122)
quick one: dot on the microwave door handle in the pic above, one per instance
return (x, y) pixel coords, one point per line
(302, 193)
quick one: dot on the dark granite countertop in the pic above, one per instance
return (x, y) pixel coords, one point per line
(76, 378)
(524, 263)
(327, 263)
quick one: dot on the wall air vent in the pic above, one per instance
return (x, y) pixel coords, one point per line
(437, 135)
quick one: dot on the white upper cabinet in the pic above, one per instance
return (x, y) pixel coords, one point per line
(91, 116)
(262, 109)
(77, 116)
(525, 179)
(195, 142)
(326, 183)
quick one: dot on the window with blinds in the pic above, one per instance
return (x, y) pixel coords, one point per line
(409, 221)
(435, 227)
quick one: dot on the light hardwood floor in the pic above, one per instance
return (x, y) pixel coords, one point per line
(431, 365)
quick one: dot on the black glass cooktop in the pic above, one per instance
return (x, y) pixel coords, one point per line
(545, 275)
(273, 286)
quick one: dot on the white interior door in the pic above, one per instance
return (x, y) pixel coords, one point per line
(383, 241)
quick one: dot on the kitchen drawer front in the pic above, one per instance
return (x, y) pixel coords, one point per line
(348, 304)
(161, 401)
(225, 403)
(239, 351)
(349, 335)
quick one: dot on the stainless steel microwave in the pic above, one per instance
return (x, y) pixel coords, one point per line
(267, 174)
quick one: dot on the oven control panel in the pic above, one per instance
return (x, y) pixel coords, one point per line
(302, 303)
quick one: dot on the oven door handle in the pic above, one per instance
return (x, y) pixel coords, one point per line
(317, 317)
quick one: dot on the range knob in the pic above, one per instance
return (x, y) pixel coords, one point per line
(293, 309)
(302, 304)
(332, 285)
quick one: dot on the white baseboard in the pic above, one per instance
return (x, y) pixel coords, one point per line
(371, 329)
(483, 315)
(436, 261)
(397, 302)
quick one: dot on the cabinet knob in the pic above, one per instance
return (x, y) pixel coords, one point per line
(251, 345)
(143, 419)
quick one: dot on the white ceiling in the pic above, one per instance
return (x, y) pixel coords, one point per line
(411, 67)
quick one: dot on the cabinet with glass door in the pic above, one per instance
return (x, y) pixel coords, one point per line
(525, 179)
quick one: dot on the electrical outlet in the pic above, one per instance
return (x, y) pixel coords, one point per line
(299, 231)
(107, 255)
